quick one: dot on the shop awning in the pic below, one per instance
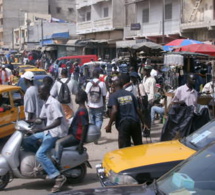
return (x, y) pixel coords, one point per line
(61, 35)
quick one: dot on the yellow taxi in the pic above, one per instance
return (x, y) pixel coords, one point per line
(21, 68)
(11, 108)
(144, 163)
(36, 71)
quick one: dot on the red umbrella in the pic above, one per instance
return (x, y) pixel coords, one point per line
(179, 43)
(199, 48)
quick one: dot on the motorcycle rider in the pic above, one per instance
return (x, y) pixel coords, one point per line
(55, 128)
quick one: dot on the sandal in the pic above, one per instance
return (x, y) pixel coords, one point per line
(59, 181)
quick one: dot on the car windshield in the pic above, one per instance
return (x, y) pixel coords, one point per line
(193, 176)
(202, 137)
(39, 73)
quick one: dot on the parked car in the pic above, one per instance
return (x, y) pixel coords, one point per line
(21, 68)
(144, 163)
(36, 71)
(80, 59)
(38, 80)
(193, 176)
(11, 108)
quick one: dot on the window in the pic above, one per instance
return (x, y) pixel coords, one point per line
(106, 12)
(58, 9)
(88, 16)
(145, 18)
(168, 11)
(17, 98)
(70, 10)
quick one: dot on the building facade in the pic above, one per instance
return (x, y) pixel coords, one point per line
(12, 16)
(158, 21)
(198, 19)
(100, 24)
(63, 9)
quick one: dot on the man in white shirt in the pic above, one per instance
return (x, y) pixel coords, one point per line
(149, 88)
(32, 103)
(96, 110)
(186, 94)
(149, 83)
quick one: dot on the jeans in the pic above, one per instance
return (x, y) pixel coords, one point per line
(156, 109)
(96, 116)
(129, 129)
(67, 141)
(48, 142)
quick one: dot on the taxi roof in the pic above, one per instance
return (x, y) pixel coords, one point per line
(8, 87)
(34, 69)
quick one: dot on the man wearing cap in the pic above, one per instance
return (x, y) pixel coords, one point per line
(32, 103)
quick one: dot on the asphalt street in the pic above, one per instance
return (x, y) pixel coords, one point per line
(107, 142)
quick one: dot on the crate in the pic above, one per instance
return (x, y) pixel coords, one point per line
(204, 99)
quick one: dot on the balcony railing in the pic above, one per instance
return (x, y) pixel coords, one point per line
(83, 3)
(102, 24)
(193, 25)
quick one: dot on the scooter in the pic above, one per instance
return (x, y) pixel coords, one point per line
(16, 163)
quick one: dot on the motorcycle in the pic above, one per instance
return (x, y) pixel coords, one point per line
(17, 163)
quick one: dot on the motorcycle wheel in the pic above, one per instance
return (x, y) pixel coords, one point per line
(4, 180)
(80, 177)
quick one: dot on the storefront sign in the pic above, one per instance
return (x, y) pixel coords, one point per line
(135, 26)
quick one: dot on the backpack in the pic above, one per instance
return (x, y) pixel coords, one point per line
(64, 94)
(95, 92)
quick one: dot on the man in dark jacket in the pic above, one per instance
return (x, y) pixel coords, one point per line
(126, 114)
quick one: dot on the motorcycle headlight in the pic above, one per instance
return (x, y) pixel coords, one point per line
(121, 179)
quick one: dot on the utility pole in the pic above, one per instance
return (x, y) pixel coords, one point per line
(41, 32)
(163, 22)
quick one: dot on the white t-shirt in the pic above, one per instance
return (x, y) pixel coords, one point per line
(103, 93)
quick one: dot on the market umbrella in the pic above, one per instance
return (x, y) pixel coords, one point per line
(147, 46)
(179, 43)
(198, 48)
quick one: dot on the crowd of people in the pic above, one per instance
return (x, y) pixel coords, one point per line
(131, 99)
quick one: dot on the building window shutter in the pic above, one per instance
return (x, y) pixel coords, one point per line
(168, 11)
(106, 12)
(145, 18)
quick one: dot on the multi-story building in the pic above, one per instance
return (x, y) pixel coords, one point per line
(198, 19)
(63, 9)
(12, 16)
(39, 31)
(158, 21)
(100, 24)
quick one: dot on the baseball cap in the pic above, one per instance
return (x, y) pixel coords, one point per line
(28, 75)
(134, 74)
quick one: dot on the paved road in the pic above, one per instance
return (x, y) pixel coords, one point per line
(107, 143)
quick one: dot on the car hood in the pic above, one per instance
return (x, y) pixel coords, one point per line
(143, 155)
